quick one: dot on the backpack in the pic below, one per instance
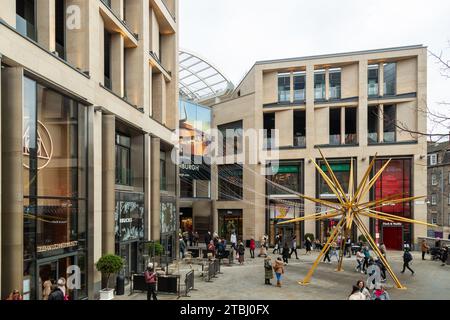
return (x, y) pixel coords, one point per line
(408, 257)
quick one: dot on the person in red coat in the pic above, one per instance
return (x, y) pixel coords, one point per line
(252, 248)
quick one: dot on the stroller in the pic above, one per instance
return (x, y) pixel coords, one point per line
(436, 253)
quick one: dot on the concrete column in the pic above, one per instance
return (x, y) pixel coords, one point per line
(12, 182)
(310, 172)
(215, 216)
(155, 190)
(381, 79)
(95, 203)
(362, 103)
(117, 63)
(327, 84)
(147, 187)
(343, 125)
(108, 183)
(46, 19)
(159, 98)
(78, 37)
(381, 123)
(8, 12)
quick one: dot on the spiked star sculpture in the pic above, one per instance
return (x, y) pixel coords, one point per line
(350, 208)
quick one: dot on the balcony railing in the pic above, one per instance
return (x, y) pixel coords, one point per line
(284, 96)
(319, 92)
(300, 141)
(373, 89)
(25, 28)
(335, 139)
(372, 137)
(351, 138)
(299, 95)
(389, 137)
(335, 92)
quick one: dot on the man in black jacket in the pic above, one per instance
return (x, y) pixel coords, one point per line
(407, 258)
(56, 295)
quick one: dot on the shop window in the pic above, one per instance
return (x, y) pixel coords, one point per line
(107, 59)
(299, 86)
(230, 182)
(341, 169)
(232, 139)
(319, 85)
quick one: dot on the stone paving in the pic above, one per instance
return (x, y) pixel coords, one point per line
(246, 282)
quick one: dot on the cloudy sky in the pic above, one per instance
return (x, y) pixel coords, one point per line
(233, 34)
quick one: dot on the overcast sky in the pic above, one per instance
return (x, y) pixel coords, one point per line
(234, 34)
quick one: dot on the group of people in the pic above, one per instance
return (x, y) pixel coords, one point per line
(270, 268)
(361, 292)
(439, 251)
(51, 290)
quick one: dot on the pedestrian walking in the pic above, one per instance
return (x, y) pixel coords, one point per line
(268, 270)
(380, 293)
(285, 253)
(327, 255)
(360, 261)
(425, 248)
(277, 244)
(383, 249)
(363, 289)
(348, 247)
(263, 247)
(356, 294)
(293, 247)
(407, 259)
(182, 248)
(367, 257)
(333, 252)
(252, 248)
(278, 267)
(233, 240)
(150, 280)
(308, 245)
(208, 238)
(241, 252)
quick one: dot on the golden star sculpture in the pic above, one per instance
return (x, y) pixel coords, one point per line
(351, 208)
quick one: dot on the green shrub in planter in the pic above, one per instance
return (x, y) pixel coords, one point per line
(108, 265)
(310, 236)
(155, 247)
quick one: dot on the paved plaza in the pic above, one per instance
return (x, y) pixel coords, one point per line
(246, 282)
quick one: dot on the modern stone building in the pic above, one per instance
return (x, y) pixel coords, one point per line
(439, 189)
(89, 103)
(349, 105)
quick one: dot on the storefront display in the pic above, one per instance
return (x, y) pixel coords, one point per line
(54, 186)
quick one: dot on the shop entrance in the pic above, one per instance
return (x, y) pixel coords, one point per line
(393, 237)
(52, 270)
(186, 220)
(287, 232)
(229, 221)
(129, 252)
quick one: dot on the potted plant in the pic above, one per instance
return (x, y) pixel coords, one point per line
(108, 265)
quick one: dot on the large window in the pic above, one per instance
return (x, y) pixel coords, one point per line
(284, 87)
(299, 86)
(269, 130)
(300, 128)
(123, 160)
(230, 182)
(232, 138)
(335, 84)
(389, 123)
(390, 78)
(373, 80)
(319, 85)
(26, 18)
(341, 169)
(54, 179)
(284, 179)
(350, 126)
(335, 126)
(372, 124)
(107, 59)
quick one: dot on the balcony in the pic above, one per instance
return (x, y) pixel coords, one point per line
(25, 28)
(372, 137)
(300, 141)
(351, 138)
(335, 139)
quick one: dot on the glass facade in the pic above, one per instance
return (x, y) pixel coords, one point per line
(195, 173)
(319, 85)
(54, 171)
(395, 181)
(284, 87)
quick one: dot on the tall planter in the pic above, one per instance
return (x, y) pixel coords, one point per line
(108, 265)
